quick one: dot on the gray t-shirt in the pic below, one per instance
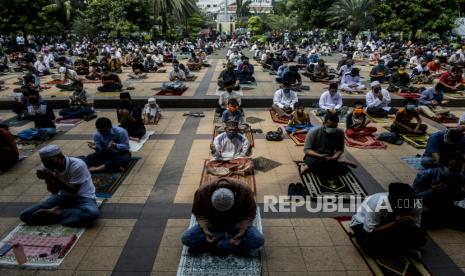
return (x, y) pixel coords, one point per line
(323, 143)
(77, 173)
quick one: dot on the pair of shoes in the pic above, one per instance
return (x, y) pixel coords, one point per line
(90, 117)
(296, 189)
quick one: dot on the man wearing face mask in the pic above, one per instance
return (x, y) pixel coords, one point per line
(346, 68)
(324, 147)
(331, 102)
(230, 144)
(177, 74)
(441, 146)
(351, 82)
(225, 96)
(245, 71)
(452, 81)
(152, 113)
(357, 123)
(228, 76)
(43, 116)
(379, 72)
(130, 117)
(284, 100)
(439, 188)
(457, 59)
(73, 200)
(403, 121)
(400, 81)
(378, 100)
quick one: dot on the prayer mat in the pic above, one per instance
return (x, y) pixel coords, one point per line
(55, 82)
(277, 119)
(38, 242)
(415, 96)
(248, 134)
(451, 119)
(365, 142)
(191, 78)
(264, 164)
(107, 183)
(136, 146)
(253, 120)
(379, 120)
(343, 187)
(216, 118)
(166, 92)
(455, 95)
(248, 86)
(299, 138)
(414, 162)
(31, 145)
(396, 265)
(248, 179)
(416, 141)
(90, 81)
(14, 122)
(206, 264)
(161, 70)
(69, 122)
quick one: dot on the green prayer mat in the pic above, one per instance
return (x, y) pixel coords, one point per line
(418, 141)
(106, 183)
(14, 122)
(206, 264)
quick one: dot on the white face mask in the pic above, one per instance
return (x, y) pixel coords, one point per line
(330, 130)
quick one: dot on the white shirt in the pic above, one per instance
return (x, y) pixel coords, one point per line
(330, 102)
(227, 149)
(374, 212)
(462, 119)
(373, 101)
(77, 173)
(152, 111)
(282, 99)
(348, 79)
(41, 66)
(225, 96)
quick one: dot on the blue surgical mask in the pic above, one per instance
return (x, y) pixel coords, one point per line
(410, 107)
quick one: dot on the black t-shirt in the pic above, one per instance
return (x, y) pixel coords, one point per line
(228, 76)
(292, 77)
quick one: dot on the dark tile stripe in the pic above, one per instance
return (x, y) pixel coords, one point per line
(205, 83)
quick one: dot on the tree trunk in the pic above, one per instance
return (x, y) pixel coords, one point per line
(164, 25)
(414, 34)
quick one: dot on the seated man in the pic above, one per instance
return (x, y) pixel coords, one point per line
(439, 188)
(232, 113)
(378, 100)
(95, 72)
(43, 116)
(225, 96)
(80, 105)
(284, 100)
(282, 69)
(431, 101)
(346, 68)
(379, 72)
(82, 66)
(400, 81)
(111, 146)
(421, 74)
(351, 81)
(69, 77)
(30, 78)
(230, 144)
(435, 67)
(110, 81)
(331, 102)
(321, 72)
(189, 75)
(41, 66)
(151, 113)
(324, 147)
(177, 74)
(356, 123)
(452, 81)
(130, 117)
(302, 61)
(149, 64)
(225, 210)
(138, 70)
(9, 154)
(245, 71)
(299, 121)
(441, 146)
(389, 225)
(158, 58)
(68, 179)
(403, 120)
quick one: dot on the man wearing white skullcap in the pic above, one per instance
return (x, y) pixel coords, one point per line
(378, 100)
(225, 210)
(73, 200)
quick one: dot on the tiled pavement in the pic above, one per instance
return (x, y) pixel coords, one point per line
(141, 224)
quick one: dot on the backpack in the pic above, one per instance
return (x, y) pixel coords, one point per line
(391, 138)
(275, 135)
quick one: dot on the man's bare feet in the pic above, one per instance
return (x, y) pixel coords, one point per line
(97, 169)
(134, 139)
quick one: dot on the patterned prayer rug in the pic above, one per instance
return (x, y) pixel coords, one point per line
(106, 184)
(395, 266)
(417, 141)
(365, 142)
(38, 242)
(248, 134)
(14, 122)
(451, 119)
(277, 119)
(264, 164)
(253, 120)
(343, 187)
(414, 162)
(166, 92)
(299, 138)
(206, 264)
(379, 120)
(247, 179)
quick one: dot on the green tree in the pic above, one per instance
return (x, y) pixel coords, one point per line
(65, 10)
(254, 24)
(354, 15)
(175, 10)
(243, 8)
(436, 16)
(313, 13)
(281, 22)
